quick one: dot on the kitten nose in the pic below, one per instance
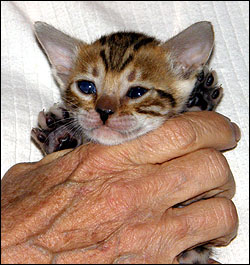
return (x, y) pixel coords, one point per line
(104, 114)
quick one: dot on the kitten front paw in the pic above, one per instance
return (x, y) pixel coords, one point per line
(57, 130)
(207, 93)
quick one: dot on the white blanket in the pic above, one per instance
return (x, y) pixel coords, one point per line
(28, 87)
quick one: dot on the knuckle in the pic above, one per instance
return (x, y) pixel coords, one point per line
(178, 228)
(218, 166)
(182, 133)
(119, 197)
(227, 210)
(137, 234)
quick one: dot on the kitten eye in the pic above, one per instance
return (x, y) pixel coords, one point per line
(86, 87)
(136, 92)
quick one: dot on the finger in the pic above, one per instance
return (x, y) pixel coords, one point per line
(177, 137)
(181, 135)
(53, 156)
(177, 230)
(197, 175)
(212, 220)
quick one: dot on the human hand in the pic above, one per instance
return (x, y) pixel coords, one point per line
(114, 204)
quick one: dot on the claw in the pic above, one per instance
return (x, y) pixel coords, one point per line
(42, 120)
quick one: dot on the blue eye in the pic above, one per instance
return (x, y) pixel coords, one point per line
(86, 87)
(136, 92)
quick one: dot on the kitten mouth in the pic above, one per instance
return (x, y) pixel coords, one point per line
(115, 131)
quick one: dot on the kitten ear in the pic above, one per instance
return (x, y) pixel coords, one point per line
(60, 48)
(192, 47)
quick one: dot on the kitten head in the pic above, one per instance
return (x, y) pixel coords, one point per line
(126, 84)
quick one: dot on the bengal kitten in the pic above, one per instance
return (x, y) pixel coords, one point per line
(124, 85)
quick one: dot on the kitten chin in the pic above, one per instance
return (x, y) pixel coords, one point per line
(106, 136)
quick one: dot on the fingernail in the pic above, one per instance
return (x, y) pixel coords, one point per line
(225, 117)
(237, 132)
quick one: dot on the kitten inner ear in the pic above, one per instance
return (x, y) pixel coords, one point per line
(60, 48)
(192, 47)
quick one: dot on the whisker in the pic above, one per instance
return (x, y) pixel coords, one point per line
(62, 127)
(78, 133)
(69, 102)
(75, 125)
(61, 120)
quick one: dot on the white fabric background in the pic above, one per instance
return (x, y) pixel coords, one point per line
(27, 85)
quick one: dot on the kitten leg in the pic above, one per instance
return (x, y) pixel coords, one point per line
(206, 94)
(57, 130)
(198, 255)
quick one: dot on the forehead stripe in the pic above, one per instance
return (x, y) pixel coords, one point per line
(143, 42)
(130, 58)
(103, 56)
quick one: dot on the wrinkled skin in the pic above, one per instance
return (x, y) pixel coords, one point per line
(114, 204)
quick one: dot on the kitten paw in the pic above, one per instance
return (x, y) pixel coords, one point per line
(207, 93)
(198, 255)
(57, 130)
